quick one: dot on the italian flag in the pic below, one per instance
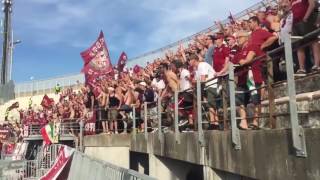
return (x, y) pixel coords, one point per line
(47, 133)
(250, 83)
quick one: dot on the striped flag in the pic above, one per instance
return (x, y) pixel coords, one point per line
(49, 133)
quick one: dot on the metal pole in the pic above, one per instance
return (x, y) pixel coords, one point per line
(176, 118)
(145, 121)
(271, 93)
(234, 129)
(298, 137)
(81, 136)
(7, 25)
(199, 113)
(134, 123)
(11, 56)
(160, 135)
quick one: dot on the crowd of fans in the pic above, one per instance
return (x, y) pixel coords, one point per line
(243, 42)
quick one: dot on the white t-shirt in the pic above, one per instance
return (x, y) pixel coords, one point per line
(184, 82)
(160, 85)
(206, 69)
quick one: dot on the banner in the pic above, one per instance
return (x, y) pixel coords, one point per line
(4, 134)
(122, 61)
(64, 156)
(96, 60)
(90, 124)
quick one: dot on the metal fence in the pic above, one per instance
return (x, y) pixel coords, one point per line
(47, 86)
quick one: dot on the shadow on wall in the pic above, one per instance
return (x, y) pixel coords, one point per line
(139, 162)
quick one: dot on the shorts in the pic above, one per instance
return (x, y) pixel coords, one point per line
(187, 99)
(152, 113)
(212, 96)
(244, 97)
(126, 108)
(302, 28)
(101, 114)
(113, 114)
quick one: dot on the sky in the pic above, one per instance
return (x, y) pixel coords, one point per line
(54, 32)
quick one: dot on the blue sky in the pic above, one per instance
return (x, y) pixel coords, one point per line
(54, 32)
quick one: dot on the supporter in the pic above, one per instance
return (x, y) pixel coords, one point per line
(221, 55)
(247, 55)
(101, 112)
(304, 21)
(210, 46)
(113, 105)
(205, 72)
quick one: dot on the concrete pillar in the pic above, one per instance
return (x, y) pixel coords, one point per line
(115, 155)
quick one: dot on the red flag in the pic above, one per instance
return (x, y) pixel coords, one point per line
(96, 58)
(122, 61)
(136, 69)
(46, 101)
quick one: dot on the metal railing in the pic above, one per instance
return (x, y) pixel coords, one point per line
(47, 86)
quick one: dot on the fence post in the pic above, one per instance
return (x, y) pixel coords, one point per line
(233, 118)
(224, 103)
(270, 93)
(298, 137)
(160, 135)
(134, 133)
(199, 113)
(176, 118)
(81, 137)
(145, 121)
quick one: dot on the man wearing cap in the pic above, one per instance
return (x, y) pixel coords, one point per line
(221, 54)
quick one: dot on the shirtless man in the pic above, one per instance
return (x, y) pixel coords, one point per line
(126, 107)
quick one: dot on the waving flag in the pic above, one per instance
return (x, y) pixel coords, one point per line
(96, 58)
(122, 61)
(231, 19)
(46, 101)
(136, 69)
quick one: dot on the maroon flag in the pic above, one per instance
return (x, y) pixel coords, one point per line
(122, 61)
(46, 101)
(96, 58)
(136, 69)
(231, 19)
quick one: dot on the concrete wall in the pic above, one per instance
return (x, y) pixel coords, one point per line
(118, 156)
(264, 154)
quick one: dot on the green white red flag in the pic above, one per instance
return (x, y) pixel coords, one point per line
(50, 133)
